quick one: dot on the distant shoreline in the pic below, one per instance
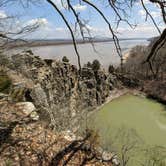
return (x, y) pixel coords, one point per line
(39, 43)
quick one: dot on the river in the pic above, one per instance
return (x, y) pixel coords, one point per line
(105, 52)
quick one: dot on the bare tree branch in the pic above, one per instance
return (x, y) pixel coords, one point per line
(148, 14)
(113, 6)
(115, 38)
(162, 4)
(157, 45)
(70, 29)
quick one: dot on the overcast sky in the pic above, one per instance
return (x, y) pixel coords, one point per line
(52, 26)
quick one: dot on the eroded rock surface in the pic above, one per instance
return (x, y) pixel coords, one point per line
(57, 89)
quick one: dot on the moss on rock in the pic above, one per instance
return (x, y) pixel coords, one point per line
(5, 83)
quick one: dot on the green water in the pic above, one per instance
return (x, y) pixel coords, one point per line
(130, 120)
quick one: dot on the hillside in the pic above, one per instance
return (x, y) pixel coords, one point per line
(153, 83)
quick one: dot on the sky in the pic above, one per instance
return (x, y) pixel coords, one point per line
(53, 27)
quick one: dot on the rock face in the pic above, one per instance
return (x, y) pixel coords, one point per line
(58, 91)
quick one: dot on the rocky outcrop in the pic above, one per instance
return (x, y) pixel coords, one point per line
(129, 81)
(58, 91)
(25, 141)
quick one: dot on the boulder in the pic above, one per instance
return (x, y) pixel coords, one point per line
(106, 156)
(115, 161)
(28, 109)
(110, 156)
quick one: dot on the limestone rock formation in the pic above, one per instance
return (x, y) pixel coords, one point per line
(58, 91)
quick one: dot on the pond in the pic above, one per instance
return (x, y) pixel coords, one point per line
(130, 120)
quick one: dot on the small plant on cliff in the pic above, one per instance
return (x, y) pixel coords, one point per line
(89, 64)
(111, 69)
(96, 65)
(65, 59)
(5, 82)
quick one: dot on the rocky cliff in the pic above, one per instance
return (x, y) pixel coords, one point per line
(58, 91)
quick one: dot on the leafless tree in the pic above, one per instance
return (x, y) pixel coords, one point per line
(120, 9)
(10, 30)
